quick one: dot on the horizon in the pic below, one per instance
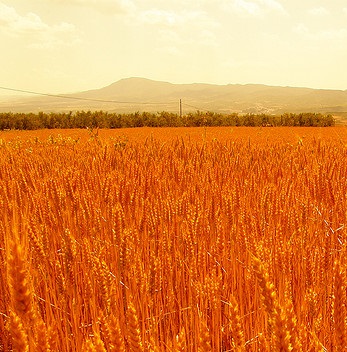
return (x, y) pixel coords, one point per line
(62, 46)
(11, 92)
(144, 94)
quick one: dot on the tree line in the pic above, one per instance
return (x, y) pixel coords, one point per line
(104, 119)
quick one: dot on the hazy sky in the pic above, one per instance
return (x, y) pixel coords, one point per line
(59, 46)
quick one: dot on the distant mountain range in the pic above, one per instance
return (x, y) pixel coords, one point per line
(140, 94)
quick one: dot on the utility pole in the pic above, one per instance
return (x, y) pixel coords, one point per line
(180, 108)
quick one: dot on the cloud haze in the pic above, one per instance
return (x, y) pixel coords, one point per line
(92, 43)
(31, 26)
(108, 6)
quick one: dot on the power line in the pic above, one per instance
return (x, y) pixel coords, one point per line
(86, 99)
(101, 100)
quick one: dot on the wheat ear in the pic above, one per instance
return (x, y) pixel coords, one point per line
(98, 343)
(235, 326)
(116, 338)
(181, 341)
(204, 338)
(19, 337)
(277, 318)
(134, 336)
(20, 292)
(42, 341)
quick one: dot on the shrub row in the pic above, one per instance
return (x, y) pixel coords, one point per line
(104, 119)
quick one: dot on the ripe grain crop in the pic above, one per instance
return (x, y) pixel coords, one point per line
(207, 239)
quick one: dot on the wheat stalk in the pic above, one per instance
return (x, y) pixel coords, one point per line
(339, 309)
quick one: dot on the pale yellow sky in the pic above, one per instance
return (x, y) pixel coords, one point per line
(60, 46)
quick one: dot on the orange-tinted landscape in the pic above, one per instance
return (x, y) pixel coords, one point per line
(196, 134)
(173, 239)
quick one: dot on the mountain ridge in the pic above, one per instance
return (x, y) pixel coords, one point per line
(143, 94)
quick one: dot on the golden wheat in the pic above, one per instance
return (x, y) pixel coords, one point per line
(211, 239)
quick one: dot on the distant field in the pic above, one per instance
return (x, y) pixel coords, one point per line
(340, 118)
(173, 239)
(196, 134)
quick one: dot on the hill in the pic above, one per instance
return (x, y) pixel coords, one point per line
(140, 94)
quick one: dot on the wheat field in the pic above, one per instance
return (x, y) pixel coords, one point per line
(196, 239)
